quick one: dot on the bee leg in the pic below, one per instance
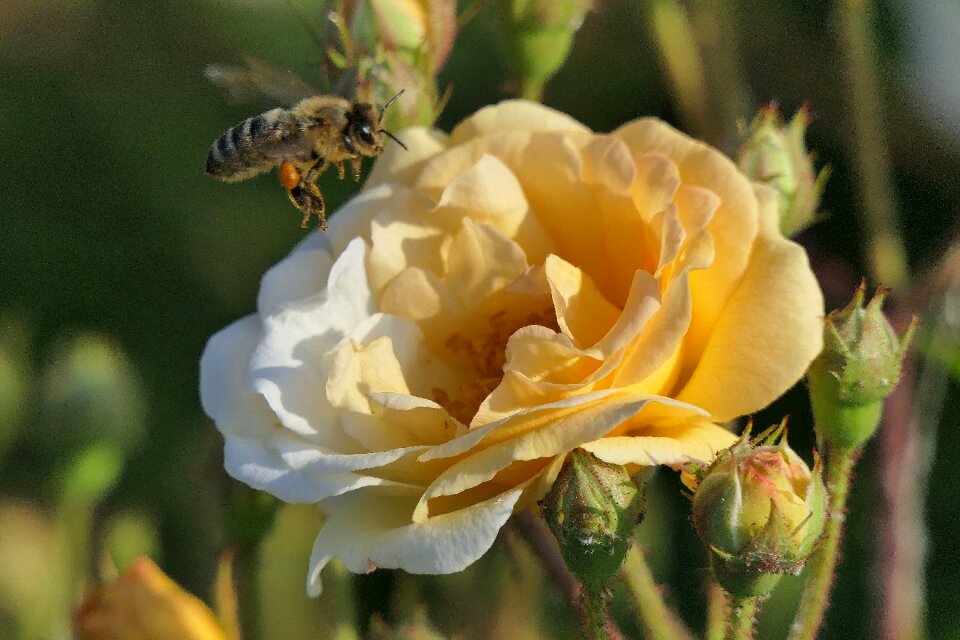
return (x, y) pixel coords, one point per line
(340, 170)
(355, 164)
(307, 198)
(306, 195)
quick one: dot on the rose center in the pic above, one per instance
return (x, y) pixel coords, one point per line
(484, 353)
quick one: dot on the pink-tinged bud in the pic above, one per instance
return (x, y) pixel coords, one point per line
(774, 154)
(857, 369)
(760, 510)
(592, 509)
(142, 603)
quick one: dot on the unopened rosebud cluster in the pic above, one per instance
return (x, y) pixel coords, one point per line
(857, 369)
(760, 510)
(538, 35)
(774, 154)
(393, 45)
(592, 509)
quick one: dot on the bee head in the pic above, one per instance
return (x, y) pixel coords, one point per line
(364, 133)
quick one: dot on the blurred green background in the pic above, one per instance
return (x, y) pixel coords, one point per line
(119, 258)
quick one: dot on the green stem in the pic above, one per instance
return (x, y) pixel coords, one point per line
(822, 565)
(247, 571)
(743, 617)
(656, 619)
(886, 254)
(716, 610)
(595, 615)
(531, 89)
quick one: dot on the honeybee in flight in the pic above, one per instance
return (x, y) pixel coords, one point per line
(302, 140)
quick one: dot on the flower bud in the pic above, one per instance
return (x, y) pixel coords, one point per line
(143, 603)
(392, 45)
(858, 367)
(592, 510)
(759, 509)
(774, 154)
(91, 394)
(538, 35)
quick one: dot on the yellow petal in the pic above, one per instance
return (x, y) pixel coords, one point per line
(769, 331)
(687, 442)
(542, 433)
(733, 227)
(358, 369)
(583, 314)
(403, 165)
(513, 115)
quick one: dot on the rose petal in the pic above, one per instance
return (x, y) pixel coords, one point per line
(372, 529)
(513, 115)
(540, 433)
(402, 165)
(733, 226)
(300, 275)
(769, 331)
(689, 442)
(289, 365)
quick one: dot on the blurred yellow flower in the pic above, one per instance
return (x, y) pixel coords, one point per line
(142, 603)
(494, 299)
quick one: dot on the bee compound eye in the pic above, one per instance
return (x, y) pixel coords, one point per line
(366, 135)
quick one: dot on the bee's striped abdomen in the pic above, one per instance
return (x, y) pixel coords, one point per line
(251, 147)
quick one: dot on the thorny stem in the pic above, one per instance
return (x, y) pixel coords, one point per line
(595, 621)
(743, 617)
(542, 542)
(656, 619)
(823, 563)
(886, 254)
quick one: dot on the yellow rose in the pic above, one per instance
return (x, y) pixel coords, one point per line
(492, 300)
(143, 603)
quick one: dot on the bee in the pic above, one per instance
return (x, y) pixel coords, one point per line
(303, 141)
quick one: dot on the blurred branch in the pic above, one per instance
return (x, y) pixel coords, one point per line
(677, 44)
(716, 27)
(908, 442)
(656, 618)
(886, 255)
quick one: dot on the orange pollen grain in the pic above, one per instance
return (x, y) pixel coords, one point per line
(289, 176)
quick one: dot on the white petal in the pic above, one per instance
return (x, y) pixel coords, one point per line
(301, 274)
(249, 462)
(223, 364)
(289, 365)
(372, 529)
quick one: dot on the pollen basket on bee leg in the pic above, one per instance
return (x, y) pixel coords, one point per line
(289, 176)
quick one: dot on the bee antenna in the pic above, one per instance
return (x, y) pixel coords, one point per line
(395, 139)
(387, 106)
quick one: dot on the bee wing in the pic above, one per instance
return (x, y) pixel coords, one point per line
(347, 83)
(257, 78)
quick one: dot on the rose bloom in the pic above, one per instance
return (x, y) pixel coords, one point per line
(492, 300)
